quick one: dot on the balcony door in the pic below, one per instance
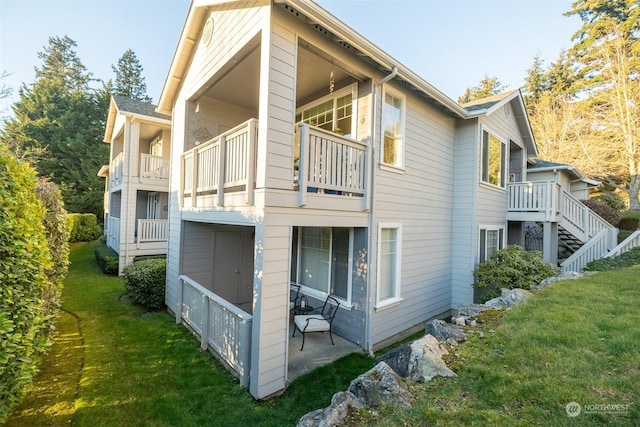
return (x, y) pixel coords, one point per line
(153, 206)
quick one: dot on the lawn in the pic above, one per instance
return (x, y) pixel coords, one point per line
(116, 364)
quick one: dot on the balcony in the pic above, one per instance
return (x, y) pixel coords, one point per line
(151, 230)
(115, 171)
(154, 167)
(221, 172)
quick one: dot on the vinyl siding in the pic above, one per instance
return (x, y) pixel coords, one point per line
(419, 199)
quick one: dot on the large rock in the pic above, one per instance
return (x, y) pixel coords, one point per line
(334, 414)
(419, 361)
(381, 386)
(444, 331)
(472, 310)
(509, 298)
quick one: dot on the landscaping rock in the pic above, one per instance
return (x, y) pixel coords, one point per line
(472, 310)
(334, 414)
(444, 331)
(419, 361)
(381, 386)
(509, 298)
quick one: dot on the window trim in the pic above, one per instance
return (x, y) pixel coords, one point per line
(484, 165)
(403, 125)
(350, 89)
(397, 298)
(315, 293)
(501, 229)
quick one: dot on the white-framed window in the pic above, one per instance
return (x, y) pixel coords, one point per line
(155, 148)
(491, 241)
(393, 124)
(322, 261)
(494, 153)
(389, 262)
(333, 112)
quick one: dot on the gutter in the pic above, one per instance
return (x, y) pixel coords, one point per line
(372, 147)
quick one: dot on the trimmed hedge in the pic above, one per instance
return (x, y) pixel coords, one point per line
(144, 282)
(83, 227)
(106, 257)
(611, 199)
(629, 223)
(24, 260)
(511, 268)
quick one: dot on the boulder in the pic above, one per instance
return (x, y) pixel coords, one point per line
(334, 414)
(509, 298)
(472, 310)
(444, 331)
(419, 361)
(381, 386)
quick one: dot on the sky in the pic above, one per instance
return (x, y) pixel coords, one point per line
(450, 43)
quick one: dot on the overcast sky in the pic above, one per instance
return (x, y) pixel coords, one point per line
(450, 43)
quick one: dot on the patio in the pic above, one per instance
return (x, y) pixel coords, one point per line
(317, 352)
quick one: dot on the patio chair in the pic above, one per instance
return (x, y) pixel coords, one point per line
(294, 293)
(319, 322)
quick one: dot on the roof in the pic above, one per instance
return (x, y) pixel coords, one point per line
(539, 165)
(316, 16)
(488, 102)
(131, 107)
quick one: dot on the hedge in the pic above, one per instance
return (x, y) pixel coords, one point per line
(24, 260)
(106, 257)
(83, 227)
(144, 282)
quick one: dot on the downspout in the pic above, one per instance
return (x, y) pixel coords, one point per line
(372, 147)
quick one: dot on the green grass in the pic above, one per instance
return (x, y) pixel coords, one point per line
(134, 368)
(577, 340)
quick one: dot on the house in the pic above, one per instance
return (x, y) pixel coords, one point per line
(303, 153)
(137, 179)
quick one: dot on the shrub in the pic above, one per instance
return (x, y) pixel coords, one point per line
(629, 223)
(612, 200)
(511, 268)
(627, 259)
(144, 282)
(57, 234)
(106, 257)
(83, 227)
(607, 213)
(24, 260)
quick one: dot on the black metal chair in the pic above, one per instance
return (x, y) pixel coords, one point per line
(318, 322)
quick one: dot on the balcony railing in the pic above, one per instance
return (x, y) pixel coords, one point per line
(330, 164)
(152, 230)
(113, 233)
(154, 167)
(221, 325)
(534, 198)
(115, 170)
(225, 163)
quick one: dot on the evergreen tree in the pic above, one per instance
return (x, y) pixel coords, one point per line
(487, 87)
(607, 52)
(58, 126)
(129, 81)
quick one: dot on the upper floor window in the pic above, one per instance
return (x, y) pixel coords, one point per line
(333, 112)
(393, 129)
(493, 160)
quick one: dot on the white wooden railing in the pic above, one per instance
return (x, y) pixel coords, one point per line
(221, 325)
(152, 230)
(115, 170)
(224, 163)
(113, 233)
(582, 222)
(534, 197)
(155, 167)
(330, 163)
(594, 248)
(626, 245)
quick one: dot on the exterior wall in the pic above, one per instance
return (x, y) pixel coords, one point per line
(420, 199)
(464, 193)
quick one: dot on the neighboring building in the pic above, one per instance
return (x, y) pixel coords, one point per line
(302, 153)
(137, 179)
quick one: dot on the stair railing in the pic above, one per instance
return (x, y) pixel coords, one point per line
(626, 245)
